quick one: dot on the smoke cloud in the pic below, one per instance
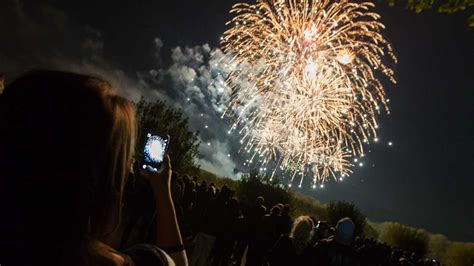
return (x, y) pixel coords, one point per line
(193, 81)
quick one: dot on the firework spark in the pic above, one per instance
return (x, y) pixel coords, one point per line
(304, 84)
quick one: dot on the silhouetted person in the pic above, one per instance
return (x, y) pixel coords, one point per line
(189, 196)
(284, 222)
(321, 231)
(255, 213)
(254, 221)
(66, 148)
(202, 193)
(337, 250)
(267, 233)
(200, 206)
(177, 195)
(292, 249)
(206, 236)
(222, 217)
(188, 203)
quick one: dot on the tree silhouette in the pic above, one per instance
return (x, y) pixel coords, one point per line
(407, 238)
(459, 254)
(253, 185)
(337, 210)
(442, 6)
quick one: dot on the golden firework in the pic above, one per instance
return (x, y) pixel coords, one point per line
(304, 83)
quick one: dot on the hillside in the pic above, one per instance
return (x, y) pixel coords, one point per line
(439, 246)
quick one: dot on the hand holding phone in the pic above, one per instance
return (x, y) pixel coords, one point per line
(160, 181)
(154, 152)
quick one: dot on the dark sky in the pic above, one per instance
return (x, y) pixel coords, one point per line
(425, 179)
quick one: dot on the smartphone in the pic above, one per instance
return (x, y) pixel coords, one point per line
(154, 152)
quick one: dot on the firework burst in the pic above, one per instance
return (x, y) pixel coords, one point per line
(304, 85)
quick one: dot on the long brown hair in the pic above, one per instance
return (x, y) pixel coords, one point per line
(66, 146)
(300, 232)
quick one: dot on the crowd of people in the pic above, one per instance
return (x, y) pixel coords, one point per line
(67, 145)
(220, 231)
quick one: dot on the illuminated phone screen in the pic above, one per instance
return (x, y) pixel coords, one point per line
(154, 151)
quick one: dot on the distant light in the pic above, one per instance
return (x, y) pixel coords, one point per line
(205, 126)
(340, 178)
(322, 186)
(228, 132)
(390, 143)
(361, 164)
(345, 58)
(188, 99)
(208, 144)
(314, 186)
(376, 139)
(355, 160)
(228, 155)
(202, 114)
(299, 185)
(289, 185)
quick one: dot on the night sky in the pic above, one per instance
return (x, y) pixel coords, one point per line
(425, 179)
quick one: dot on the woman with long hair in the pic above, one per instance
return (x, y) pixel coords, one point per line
(67, 143)
(290, 249)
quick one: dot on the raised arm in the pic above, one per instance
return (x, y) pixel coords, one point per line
(168, 236)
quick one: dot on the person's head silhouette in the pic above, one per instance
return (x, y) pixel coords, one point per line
(66, 143)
